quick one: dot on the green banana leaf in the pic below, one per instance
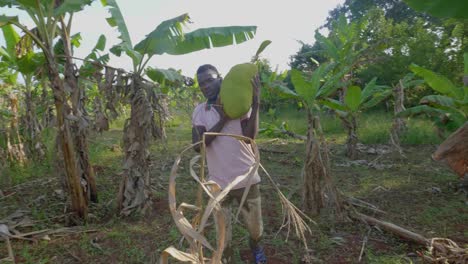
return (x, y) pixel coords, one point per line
(333, 104)
(438, 100)
(437, 82)
(5, 20)
(11, 38)
(69, 6)
(204, 38)
(368, 90)
(352, 98)
(421, 109)
(283, 91)
(262, 47)
(303, 88)
(116, 20)
(162, 76)
(332, 83)
(376, 99)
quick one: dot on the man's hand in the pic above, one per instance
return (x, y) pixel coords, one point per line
(222, 115)
(256, 88)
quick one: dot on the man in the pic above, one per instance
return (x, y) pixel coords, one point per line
(227, 158)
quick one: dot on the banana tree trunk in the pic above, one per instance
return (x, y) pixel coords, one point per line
(399, 125)
(48, 117)
(35, 147)
(79, 128)
(134, 188)
(15, 147)
(350, 123)
(319, 190)
(78, 202)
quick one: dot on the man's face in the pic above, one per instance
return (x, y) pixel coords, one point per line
(209, 83)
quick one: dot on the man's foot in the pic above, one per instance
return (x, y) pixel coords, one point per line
(259, 255)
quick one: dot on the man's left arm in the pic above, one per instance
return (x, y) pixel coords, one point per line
(250, 125)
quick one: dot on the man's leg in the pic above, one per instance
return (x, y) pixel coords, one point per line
(225, 215)
(252, 218)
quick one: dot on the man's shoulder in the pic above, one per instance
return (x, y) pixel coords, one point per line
(199, 106)
(198, 109)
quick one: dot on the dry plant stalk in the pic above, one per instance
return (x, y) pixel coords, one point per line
(445, 251)
(192, 231)
(440, 250)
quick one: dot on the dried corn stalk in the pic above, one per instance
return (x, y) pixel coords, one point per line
(193, 233)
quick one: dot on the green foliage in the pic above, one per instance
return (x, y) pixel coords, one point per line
(163, 76)
(437, 82)
(449, 110)
(441, 8)
(352, 98)
(356, 100)
(260, 49)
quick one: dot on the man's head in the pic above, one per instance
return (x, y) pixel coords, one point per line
(209, 81)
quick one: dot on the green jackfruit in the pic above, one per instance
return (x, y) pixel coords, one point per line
(236, 90)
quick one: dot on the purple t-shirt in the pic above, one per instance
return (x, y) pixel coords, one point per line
(226, 157)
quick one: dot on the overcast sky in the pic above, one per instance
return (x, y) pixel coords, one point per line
(282, 22)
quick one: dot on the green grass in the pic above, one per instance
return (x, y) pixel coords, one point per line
(373, 126)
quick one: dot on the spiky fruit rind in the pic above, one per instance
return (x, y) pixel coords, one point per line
(236, 90)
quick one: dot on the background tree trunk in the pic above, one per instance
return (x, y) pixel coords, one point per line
(36, 149)
(15, 147)
(350, 124)
(399, 125)
(134, 188)
(319, 190)
(63, 110)
(80, 126)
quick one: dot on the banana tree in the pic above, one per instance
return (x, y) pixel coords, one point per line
(318, 183)
(449, 107)
(342, 46)
(26, 63)
(399, 125)
(53, 20)
(356, 100)
(9, 116)
(168, 37)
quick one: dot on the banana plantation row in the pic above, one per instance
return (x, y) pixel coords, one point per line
(336, 73)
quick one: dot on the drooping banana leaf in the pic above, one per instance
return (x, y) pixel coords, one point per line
(438, 82)
(438, 100)
(421, 109)
(283, 91)
(162, 76)
(204, 38)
